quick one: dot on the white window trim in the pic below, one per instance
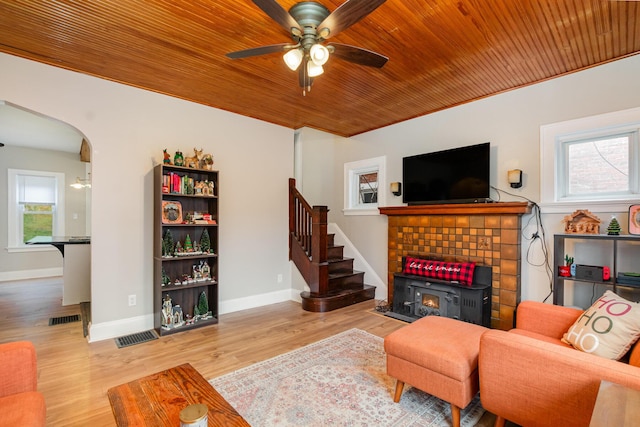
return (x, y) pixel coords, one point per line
(352, 169)
(551, 137)
(13, 243)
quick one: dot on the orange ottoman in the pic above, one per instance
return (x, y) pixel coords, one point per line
(439, 356)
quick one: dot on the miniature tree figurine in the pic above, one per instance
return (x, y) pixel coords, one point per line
(205, 241)
(166, 280)
(188, 246)
(614, 227)
(168, 247)
(203, 304)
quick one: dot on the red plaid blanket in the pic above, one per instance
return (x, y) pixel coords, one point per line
(460, 272)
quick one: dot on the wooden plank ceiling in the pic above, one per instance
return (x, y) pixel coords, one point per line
(441, 53)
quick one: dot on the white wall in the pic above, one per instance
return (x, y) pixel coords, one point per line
(510, 121)
(128, 128)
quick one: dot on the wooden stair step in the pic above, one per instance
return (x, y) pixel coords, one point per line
(340, 265)
(346, 280)
(336, 299)
(335, 252)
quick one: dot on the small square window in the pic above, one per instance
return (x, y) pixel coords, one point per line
(591, 162)
(362, 181)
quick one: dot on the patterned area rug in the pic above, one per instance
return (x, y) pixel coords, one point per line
(339, 381)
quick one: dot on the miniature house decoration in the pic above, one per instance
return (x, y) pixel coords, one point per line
(582, 222)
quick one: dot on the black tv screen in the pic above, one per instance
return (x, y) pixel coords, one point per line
(458, 175)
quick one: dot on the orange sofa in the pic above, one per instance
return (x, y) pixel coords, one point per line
(20, 402)
(529, 377)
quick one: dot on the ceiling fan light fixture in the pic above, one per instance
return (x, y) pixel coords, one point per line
(313, 69)
(319, 54)
(293, 58)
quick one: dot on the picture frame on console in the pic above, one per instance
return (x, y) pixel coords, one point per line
(634, 219)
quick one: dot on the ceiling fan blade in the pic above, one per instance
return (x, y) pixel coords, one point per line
(278, 14)
(358, 55)
(347, 14)
(262, 50)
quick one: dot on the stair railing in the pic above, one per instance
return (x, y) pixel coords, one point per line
(308, 241)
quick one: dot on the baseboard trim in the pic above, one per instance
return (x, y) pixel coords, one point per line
(117, 328)
(7, 276)
(253, 301)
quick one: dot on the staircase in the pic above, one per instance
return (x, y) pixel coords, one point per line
(332, 281)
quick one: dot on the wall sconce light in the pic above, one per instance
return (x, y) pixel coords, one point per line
(515, 178)
(396, 188)
(81, 183)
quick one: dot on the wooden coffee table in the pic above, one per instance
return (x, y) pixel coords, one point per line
(156, 400)
(616, 405)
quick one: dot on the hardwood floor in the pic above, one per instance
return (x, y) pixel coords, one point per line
(74, 375)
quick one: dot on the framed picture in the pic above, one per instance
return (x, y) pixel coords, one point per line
(171, 212)
(634, 219)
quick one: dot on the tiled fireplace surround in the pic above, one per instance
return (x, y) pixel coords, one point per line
(486, 233)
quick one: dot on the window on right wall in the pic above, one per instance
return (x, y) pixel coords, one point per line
(591, 162)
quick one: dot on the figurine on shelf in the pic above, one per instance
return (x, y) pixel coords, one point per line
(188, 246)
(201, 310)
(205, 272)
(168, 247)
(582, 221)
(178, 320)
(205, 241)
(166, 157)
(207, 188)
(193, 162)
(206, 162)
(197, 274)
(166, 280)
(614, 227)
(178, 159)
(198, 188)
(167, 317)
(189, 320)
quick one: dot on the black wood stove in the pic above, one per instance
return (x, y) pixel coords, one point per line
(415, 297)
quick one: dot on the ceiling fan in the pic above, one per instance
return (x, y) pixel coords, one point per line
(309, 24)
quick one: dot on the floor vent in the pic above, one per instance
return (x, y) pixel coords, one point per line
(64, 319)
(137, 338)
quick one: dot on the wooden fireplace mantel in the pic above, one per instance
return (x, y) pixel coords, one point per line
(496, 208)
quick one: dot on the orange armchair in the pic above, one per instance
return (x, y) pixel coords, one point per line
(20, 402)
(528, 376)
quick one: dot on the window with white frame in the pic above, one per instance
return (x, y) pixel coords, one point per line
(362, 181)
(35, 206)
(593, 161)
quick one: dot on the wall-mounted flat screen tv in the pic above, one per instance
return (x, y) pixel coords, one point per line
(458, 175)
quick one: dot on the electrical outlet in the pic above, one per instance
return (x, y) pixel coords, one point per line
(132, 300)
(279, 278)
